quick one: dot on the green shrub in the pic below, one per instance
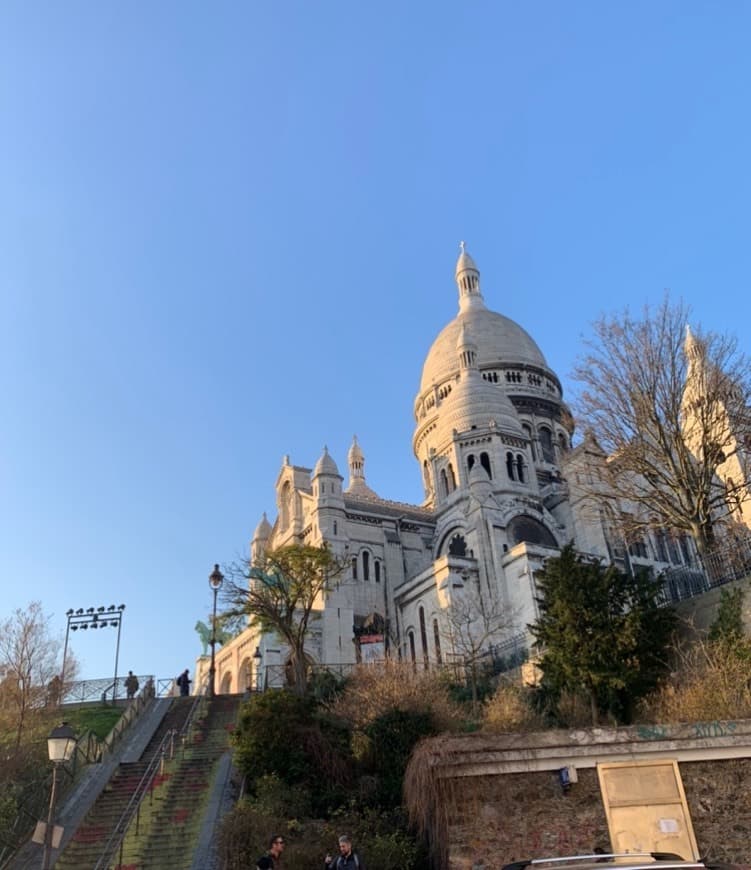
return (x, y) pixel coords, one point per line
(281, 734)
(391, 738)
(381, 838)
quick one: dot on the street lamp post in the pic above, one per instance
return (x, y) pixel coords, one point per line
(60, 746)
(216, 578)
(257, 658)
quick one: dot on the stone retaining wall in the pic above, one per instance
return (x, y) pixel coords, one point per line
(506, 801)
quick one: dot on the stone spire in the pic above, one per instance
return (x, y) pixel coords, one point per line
(356, 459)
(468, 281)
(263, 529)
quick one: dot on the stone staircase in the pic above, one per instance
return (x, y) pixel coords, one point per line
(165, 833)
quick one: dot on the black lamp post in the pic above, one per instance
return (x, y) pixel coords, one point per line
(216, 578)
(257, 657)
(60, 746)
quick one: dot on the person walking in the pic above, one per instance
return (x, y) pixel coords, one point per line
(131, 685)
(347, 859)
(268, 861)
(183, 681)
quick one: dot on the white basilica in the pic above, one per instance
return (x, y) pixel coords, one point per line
(493, 440)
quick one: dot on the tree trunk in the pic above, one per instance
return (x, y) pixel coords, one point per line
(593, 707)
(300, 673)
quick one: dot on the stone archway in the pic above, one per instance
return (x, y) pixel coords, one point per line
(225, 687)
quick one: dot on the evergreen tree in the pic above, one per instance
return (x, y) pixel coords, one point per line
(728, 625)
(602, 634)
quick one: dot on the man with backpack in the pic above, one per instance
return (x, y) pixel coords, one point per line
(347, 858)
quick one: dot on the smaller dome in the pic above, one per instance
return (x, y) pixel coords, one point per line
(325, 465)
(263, 530)
(356, 460)
(476, 402)
(355, 453)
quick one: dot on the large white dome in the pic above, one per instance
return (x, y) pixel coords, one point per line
(500, 342)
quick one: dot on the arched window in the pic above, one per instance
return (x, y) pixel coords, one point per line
(661, 542)
(437, 642)
(424, 639)
(510, 465)
(354, 567)
(335, 527)
(365, 565)
(527, 429)
(377, 567)
(546, 443)
(286, 503)
(470, 461)
(452, 478)
(485, 462)
(457, 545)
(562, 442)
(520, 467)
(444, 482)
(412, 651)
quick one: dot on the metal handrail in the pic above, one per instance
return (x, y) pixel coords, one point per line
(142, 789)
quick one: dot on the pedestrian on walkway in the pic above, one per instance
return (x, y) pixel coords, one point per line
(131, 685)
(183, 682)
(269, 860)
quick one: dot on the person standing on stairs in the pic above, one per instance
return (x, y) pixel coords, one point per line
(183, 682)
(268, 861)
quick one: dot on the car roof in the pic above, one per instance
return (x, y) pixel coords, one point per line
(630, 860)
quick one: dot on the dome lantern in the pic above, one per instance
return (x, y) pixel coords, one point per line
(468, 281)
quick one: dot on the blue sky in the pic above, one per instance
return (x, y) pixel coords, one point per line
(228, 233)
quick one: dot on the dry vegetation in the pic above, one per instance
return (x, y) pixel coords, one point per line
(509, 710)
(712, 681)
(397, 686)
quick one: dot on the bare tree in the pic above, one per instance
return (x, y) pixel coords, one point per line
(280, 595)
(471, 626)
(28, 662)
(672, 410)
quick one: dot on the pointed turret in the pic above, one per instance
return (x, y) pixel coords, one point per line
(468, 281)
(356, 460)
(325, 465)
(260, 538)
(693, 347)
(263, 529)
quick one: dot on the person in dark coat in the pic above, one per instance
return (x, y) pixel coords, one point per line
(347, 858)
(183, 681)
(268, 861)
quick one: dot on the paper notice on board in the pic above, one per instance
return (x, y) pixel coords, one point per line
(669, 826)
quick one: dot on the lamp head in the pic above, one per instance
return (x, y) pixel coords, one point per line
(61, 743)
(216, 578)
